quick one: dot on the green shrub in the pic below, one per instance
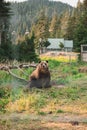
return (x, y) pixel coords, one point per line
(41, 113)
(5, 92)
(3, 103)
(60, 111)
(4, 97)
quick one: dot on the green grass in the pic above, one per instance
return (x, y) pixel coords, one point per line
(53, 64)
(41, 101)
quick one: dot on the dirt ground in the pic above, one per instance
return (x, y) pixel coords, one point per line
(59, 53)
(25, 121)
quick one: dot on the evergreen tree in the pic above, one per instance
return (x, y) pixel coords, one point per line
(85, 5)
(81, 29)
(4, 19)
(5, 43)
(53, 29)
(71, 25)
(26, 49)
(61, 45)
(64, 23)
(41, 29)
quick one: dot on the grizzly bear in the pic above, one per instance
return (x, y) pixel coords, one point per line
(40, 77)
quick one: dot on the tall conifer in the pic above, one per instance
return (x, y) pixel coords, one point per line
(81, 29)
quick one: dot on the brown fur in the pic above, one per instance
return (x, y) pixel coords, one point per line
(40, 77)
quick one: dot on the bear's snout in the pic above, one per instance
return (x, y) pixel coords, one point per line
(45, 67)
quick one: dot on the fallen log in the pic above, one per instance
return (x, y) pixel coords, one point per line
(6, 67)
(18, 78)
(83, 69)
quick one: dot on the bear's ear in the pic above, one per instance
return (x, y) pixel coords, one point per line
(39, 62)
(47, 61)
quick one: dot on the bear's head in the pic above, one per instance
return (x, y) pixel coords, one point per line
(43, 66)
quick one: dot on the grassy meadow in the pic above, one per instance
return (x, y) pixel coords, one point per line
(68, 94)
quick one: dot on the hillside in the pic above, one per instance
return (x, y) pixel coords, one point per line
(26, 13)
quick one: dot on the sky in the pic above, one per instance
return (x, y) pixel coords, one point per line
(70, 2)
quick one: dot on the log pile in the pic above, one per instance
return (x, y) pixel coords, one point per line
(83, 69)
(7, 68)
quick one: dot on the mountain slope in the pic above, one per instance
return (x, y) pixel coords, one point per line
(26, 13)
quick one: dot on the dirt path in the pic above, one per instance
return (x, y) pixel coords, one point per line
(25, 121)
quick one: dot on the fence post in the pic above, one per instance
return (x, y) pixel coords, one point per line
(69, 58)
